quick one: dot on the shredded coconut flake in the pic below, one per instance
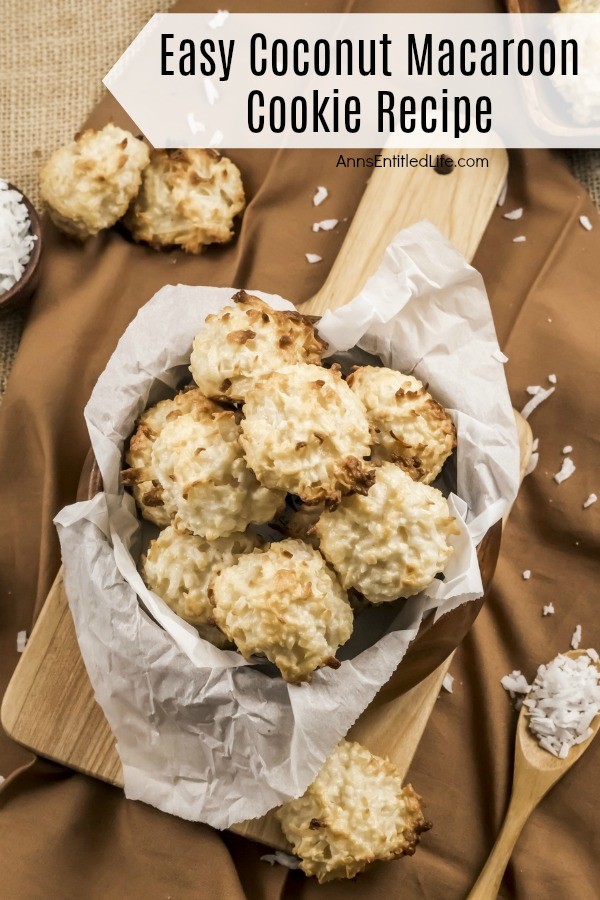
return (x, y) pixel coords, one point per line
(520, 239)
(16, 239)
(548, 610)
(500, 356)
(567, 449)
(576, 638)
(563, 702)
(211, 91)
(590, 501)
(526, 575)
(566, 470)
(552, 379)
(532, 463)
(219, 19)
(195, 126)
(282, 859)
(516, 685)
(216, 139)
(313, 257)
(535, 401)
(448, 682)
(585, 223)
(21, 641)
(533, 389)
(535, 445)
(325, 225)
(503, 192)
(514, 214)
(320, 194)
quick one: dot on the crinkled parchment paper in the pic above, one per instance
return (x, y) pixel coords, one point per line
(201, 733)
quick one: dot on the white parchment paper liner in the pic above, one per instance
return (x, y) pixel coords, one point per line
(201, 733)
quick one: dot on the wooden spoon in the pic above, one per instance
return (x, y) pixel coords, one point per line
(536, 771)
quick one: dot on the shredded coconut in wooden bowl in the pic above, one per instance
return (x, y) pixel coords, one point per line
(16, 239)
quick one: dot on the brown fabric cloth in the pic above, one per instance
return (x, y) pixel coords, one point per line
(65, 836)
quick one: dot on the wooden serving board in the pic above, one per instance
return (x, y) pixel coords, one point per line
(49, 705)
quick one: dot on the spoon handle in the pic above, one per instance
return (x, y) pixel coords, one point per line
(488, 883)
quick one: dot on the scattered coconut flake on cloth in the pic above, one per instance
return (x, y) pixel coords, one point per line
(520, 239)
(535, 445)
(566, 470)
(219, 19)
(448, 683)
(313, 257)
(563, 702)
(585, 223)
(21, 641)
(517, 686)
(500, 356)
(533, 389)
(16, 239)
(325, 225)
(566, 449)
(552, 379)
(526, 575)
(548, 610)
(320, 194)
(576, 638)
(280, 858)
(535, 401)
(514, 214)
(593, 498)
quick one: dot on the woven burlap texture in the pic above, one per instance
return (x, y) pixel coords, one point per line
(53, 58)
(49, 84)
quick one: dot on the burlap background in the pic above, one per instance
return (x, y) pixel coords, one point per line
(45, 95)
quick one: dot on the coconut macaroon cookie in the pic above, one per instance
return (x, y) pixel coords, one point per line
(356, 811)
(392, 542)
(305, 431)
(89, 183)
(247, 340)
(410, 428)
(179, 567)
(197, 458)
(284, 603)
(189, 198)
(141, 476)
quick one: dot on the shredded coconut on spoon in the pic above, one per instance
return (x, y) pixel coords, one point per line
(563, 701)
(16, 239)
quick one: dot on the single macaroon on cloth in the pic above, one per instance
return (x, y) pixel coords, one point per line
(140, 475)
(355, 812)
(284, 603)
(392, 542)
(410, 428)
(179, 567)
(246, 340)
(306, 432)
(189, 198)
(89, 184)
(198, 461)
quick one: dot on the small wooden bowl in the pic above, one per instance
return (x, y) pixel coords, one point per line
(20, 293)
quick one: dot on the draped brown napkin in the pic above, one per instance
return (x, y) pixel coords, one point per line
(66, 836)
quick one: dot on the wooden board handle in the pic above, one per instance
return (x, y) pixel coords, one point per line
(459, 203)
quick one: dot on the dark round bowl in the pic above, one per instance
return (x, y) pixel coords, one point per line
(435, 640)
(20, 293)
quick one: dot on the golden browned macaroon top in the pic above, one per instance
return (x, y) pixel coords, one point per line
(189, 198)
(355, 812)
(89, 183)
(246, 340)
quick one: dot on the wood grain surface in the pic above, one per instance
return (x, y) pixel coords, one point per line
(49, 705)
